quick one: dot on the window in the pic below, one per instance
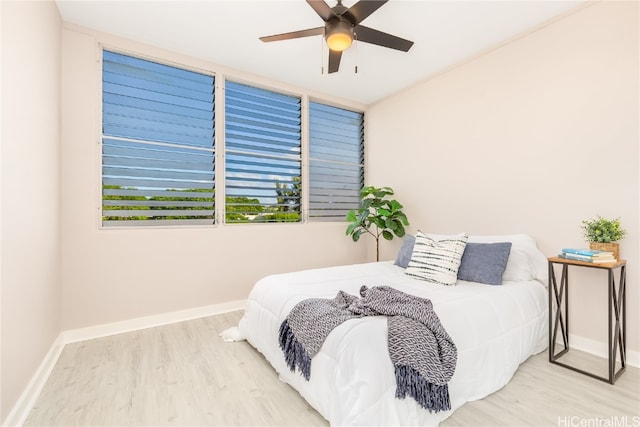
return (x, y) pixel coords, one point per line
(262, 155)
(159, 151)
(157, 144)
(336, 161)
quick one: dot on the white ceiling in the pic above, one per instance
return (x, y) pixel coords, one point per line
(226, 32)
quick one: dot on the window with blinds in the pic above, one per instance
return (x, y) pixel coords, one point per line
(336, 161)
(262, 155)
(157, 144)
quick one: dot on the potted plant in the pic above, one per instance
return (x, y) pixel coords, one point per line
(377, 215)
(603, 234)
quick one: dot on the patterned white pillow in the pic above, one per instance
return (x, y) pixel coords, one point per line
(437, 260)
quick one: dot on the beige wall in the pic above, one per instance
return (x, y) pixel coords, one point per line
(113, 275)
(532, 137)
(501, 144)
(30, 278)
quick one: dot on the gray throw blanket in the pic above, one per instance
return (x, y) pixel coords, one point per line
(422, 353)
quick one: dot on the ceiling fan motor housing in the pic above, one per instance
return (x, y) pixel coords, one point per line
(338, 33)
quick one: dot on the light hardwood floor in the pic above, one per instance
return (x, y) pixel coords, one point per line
(185, 375)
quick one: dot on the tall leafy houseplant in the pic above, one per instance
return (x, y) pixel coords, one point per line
(377, 215)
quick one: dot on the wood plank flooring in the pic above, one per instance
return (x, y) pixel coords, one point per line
(185, 375)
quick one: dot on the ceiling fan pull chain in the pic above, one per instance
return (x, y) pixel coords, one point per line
(355, 38)
(321, 56)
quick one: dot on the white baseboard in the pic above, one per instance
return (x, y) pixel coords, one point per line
(599, 349)
(99, 331)
(27, 399)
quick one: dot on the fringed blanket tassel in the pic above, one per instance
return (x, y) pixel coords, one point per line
(430, 396)
(294, 353)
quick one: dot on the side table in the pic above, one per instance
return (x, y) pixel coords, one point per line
(559, 314)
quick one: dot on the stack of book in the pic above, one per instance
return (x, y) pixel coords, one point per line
(587, 255)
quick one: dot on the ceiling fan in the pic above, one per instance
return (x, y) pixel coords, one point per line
(341, 26)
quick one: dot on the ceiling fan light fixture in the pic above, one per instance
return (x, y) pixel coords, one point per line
(339, 35)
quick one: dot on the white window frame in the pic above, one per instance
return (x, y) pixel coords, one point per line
(220, 75)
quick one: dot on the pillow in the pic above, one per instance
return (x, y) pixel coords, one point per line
(404, 254)
(525, 263)
(436, 261)
(484, 262)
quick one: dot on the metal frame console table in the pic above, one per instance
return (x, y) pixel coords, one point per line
(559, 314)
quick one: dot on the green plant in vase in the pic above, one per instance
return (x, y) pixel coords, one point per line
(603, 234)
(377, 215)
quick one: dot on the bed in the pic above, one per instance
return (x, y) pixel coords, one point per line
(352, 382)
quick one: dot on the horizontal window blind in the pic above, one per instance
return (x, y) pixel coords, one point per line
(336, 161)
(157, 144)
(262, 155)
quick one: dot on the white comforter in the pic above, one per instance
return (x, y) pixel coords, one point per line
(495, 329)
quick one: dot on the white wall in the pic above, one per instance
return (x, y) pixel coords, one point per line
(30, 192)
(113, 275)
(532, 137)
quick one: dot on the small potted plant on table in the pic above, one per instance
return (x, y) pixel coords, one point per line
(603, 234)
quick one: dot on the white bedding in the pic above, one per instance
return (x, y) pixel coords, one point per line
(495, 329)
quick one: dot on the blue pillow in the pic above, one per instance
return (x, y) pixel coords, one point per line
(404, 254)
(484, 262)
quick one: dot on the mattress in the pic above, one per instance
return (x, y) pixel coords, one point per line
(495, 329)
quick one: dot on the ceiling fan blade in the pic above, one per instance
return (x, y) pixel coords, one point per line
(361, 10)
(322, 9)
(369, 35)
(294, 35)
(334, 60)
